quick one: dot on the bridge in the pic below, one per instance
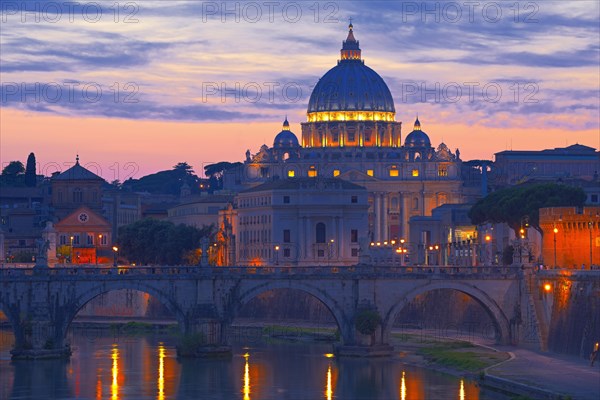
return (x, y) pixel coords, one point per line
(41, 302)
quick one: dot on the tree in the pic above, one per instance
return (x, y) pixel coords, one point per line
(216, 171)
(517, 204)
(30, 174)
(167, 182)
(13, 174)
(159, 242)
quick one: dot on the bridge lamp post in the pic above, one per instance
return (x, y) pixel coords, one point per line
(71, 255)
(97, 243)
(488, 250)
(330, 251)
(591, 228)
(115, 252)
(555, 230)
(277, 255)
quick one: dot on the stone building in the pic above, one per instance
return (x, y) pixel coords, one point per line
(351, 134)
(296, 222)
(577, 161)
(571, 236)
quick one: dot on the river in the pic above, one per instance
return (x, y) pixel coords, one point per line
(145, 366)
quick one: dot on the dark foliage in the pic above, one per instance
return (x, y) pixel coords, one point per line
(519, 203)
(151, 241)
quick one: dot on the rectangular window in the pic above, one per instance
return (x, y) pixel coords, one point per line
(354, 236)
(415, 172)
(286, 199)
(320, 253)
(370, 172)
(291, 173)
(336, 172)
(90, 239)
(286, 252)
(104, 240)
(442, 170)
(354, 252)
(594, 198)
(287, 236)
(394, 172)
(264, 172)
(354, 199)
(76, 239)
(312, 173)
(63, 239)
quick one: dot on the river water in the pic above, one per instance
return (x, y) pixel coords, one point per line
(145, 366)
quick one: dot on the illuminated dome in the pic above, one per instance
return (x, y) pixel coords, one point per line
(417, 138)
(285, 138)
(351, 90)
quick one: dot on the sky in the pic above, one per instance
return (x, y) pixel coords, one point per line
(135, 87)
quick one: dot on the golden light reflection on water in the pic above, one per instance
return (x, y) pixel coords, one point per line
(161, 372)
(403, 387)
(247, 377)
(329, 388)
(114, 387)
(461, 392)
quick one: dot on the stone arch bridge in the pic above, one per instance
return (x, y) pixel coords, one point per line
(40, 303)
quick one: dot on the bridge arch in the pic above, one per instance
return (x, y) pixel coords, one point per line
(333, 306)
(89, 294)
(501, 323)
(14, 321)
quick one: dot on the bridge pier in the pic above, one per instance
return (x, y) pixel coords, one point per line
(365, 337)
(205, 338)
(37, 338)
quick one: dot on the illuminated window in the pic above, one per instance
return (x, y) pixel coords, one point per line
(291, 173)
(415, 172)
(312, 173)
(336, 172)
(394, 171)
(370, 172)
(442, 170)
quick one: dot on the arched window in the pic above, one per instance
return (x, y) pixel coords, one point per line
(321, 233)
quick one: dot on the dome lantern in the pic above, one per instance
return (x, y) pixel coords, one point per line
(350, 49)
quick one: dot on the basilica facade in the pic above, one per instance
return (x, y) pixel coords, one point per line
(351, 133)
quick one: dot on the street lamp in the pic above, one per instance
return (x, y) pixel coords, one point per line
(277, 255)
(71, 255)
(97, 243)
(555, 232)
(330, 250)
(115, 252)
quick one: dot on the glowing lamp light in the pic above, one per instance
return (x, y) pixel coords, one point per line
(329, 355)
(488, 238)
(547, 287)
(555, 230)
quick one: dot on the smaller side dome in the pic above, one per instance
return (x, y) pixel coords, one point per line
(417, 138)
(285, 138)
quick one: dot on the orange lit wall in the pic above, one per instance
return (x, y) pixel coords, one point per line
(578, 232)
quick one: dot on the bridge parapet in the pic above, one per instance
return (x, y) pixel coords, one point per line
(185, 272)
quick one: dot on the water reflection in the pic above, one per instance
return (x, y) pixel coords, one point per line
(403, 387)
(146, 368)
(329, 390)
(246, 377)
(114, 387)
(161, 372)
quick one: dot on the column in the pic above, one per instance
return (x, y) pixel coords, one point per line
(385, 228)
(377, 215)
(341, 248)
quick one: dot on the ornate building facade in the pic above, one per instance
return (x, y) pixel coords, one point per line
(351, 133)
